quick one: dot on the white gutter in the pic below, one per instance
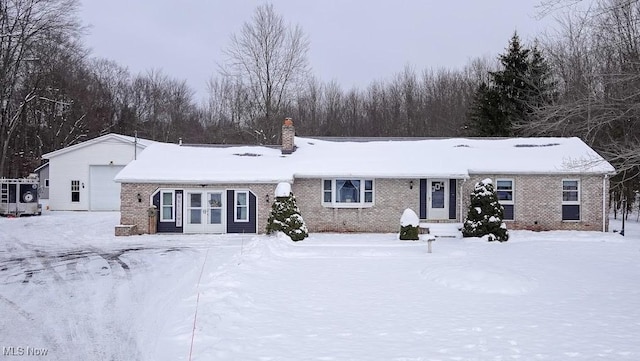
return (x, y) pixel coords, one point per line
(604, 203)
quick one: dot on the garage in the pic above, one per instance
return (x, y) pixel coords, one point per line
(104, 193)
(81, 175)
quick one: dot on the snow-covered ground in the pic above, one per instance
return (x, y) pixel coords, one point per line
(69, 288)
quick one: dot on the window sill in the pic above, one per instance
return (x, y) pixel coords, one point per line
(347, 205)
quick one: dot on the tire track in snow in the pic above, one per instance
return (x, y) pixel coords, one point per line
(97, 329)
(17, 308)
(14, 246)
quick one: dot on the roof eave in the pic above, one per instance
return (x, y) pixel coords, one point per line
(89, 142)
(550, 172)
(201, 181)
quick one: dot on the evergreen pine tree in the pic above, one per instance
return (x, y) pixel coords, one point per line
(285, 217)
(522, 84)
(542, 89)
(485, 214)
(487, 117)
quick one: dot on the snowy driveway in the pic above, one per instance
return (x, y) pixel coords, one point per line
(71, 291)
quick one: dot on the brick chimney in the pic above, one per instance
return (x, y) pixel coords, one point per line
(288, 135)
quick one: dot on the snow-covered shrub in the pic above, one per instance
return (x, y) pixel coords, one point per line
(409, 225)
(285, 216)
(485, 214)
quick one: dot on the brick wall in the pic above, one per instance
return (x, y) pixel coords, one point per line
(538, 201)
(136, 213)
(133, 212)
(391, 198)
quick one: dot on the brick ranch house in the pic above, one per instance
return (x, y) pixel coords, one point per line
(363, 185)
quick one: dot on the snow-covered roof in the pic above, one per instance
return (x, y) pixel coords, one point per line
(313, 158)
(142, 143)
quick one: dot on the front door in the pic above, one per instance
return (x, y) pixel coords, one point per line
(437, 199)
(205, 212)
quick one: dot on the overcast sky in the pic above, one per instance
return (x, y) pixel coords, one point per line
(351, 41)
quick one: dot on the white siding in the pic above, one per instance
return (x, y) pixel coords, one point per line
(75, 165)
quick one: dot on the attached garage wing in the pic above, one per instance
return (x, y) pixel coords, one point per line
(104, 192)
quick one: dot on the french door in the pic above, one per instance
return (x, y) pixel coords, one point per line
(205, 212)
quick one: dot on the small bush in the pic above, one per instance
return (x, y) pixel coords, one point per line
(409, 233)
(409, 226)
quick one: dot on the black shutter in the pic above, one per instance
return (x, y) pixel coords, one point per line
(452, 198)
(423, 199)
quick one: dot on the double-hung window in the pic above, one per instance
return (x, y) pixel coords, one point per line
(570, 200)
(347, 192)
(167, 206)
(242, 206)
(504, 189)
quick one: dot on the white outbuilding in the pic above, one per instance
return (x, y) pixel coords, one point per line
(81, 176)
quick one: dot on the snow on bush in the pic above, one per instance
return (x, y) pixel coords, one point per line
(409, 225)
(409, 218)
(285, 216)
(485, 214)
(283, 189)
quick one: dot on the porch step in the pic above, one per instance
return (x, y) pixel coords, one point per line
(443, 230)
(126, 229)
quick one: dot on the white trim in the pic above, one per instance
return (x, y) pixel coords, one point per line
(512, 202)
(142, 143)
(513, 196)
(438, 213)
(572, 203)
(205, 226)
(235, 206)
(173, 205)
(361, 204)
(198, 182)
(579, 191)
(604, 203)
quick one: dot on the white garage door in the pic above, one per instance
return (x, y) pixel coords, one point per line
(104, 193)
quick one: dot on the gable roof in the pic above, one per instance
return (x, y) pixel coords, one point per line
(142, 143)
(314, 158)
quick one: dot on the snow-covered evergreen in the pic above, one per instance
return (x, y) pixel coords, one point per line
(285, 216)
(485, 214)
(409, 225)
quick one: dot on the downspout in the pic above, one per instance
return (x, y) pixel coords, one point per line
(604, 203)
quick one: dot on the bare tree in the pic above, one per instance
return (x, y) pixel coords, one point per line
(24, 27)
(596, 61)
(163, 108)
(269, 58)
